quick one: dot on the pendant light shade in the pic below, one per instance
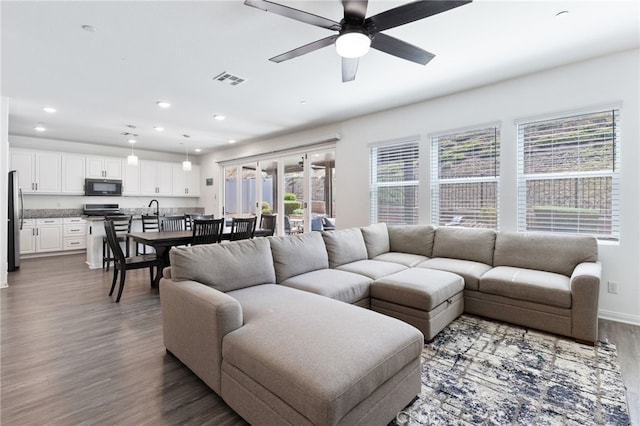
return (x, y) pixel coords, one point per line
(132, 159)
(186, 164)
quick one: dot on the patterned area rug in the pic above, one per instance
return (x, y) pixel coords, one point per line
(483, 372)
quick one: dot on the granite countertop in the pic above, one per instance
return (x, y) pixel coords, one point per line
(136, 213)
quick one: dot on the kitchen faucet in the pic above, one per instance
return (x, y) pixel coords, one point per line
(157, 206)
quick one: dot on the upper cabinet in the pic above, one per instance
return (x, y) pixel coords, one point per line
(186, 184)
(156, 178)
(130, 179)
(73, 174)
(104, 167)
(38, 171)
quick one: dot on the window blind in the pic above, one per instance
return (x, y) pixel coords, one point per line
(568, 174)
(465, 171)
(394, 183)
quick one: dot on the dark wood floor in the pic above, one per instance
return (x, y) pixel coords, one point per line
(69, 355)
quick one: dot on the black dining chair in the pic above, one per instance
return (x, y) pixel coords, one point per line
(150, 223)
(172, 223)
(123, 263)
(267, 226)
(242, 228)
(207, 231)
(189, 218)
(122, 226)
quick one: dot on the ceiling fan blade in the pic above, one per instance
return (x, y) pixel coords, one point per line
(307, 48)
(411, 12)
(349, 69)
(298, 15)
(355, 9)
(401, 49)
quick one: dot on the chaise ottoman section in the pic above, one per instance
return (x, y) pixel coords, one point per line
(427, 299)
(304, 359)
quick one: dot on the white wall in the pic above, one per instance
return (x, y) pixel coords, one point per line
(4, 170)
(606, 81)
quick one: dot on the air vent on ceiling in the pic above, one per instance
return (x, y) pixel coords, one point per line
(230, 79)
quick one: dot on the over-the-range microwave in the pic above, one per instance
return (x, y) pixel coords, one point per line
(102, 187)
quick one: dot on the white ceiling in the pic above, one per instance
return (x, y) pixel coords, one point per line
(142, 52)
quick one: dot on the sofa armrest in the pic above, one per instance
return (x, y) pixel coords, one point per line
(585, 291)
(195, 319)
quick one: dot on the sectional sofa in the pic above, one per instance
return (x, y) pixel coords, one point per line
(276, 325)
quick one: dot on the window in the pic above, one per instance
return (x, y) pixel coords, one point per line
(394, 183)
(465, 172)
(568, 175)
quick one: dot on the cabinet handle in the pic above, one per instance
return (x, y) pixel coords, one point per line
(36, 186)
(33, 231)
(74, 243)
(74, 230)
(37, 231)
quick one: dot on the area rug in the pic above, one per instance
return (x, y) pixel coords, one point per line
(483, 372)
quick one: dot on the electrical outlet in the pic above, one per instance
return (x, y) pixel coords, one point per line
(612, 287)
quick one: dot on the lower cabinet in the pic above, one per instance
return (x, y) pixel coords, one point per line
(52, 235)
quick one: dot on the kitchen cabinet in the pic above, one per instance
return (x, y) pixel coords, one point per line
(48, 235)
(74, 233)
(186, 184)
(28, 236)
(104, 168)
(73, 174)
(38, 171)
(130, 179)
(156, 178)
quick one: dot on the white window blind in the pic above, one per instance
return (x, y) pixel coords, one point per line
(465, 171)
(568, 175)
(394, 183)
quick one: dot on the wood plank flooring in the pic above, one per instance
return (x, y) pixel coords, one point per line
(69, 355)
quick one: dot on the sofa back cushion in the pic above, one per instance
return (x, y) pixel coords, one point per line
(298, 254)
(473, 244)
(414, 239)
(376, 239)
(344, 246)
(225, 267)
(551, 253)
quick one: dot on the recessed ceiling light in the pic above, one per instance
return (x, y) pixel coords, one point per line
(219, 117)
(159, 129)
(197, 150)
(163, 104)
(132, 141)
(89, 28)
(562, 13)
(40, 128)
(232, 141)
(48, 109)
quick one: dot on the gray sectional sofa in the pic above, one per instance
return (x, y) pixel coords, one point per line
(275, 325)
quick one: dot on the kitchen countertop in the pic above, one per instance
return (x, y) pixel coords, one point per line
(137, 213)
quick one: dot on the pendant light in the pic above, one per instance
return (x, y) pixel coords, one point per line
(132, 159)
(186, 164)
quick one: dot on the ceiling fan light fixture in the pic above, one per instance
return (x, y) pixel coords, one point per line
(353, 44)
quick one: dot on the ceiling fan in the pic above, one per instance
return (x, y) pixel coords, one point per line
(356, 33)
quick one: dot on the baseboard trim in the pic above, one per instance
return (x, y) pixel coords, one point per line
(618, 317)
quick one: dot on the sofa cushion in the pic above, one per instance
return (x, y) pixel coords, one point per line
(414, 239)
(297, 254)
(467, 269)
(543, 287)
(551, 253)
(344, 246)
(220, 265)
(373, 269)
(423, 289)
(340, 285)
(321, 356)
(473, 244)
(406, 259)
(376, 239)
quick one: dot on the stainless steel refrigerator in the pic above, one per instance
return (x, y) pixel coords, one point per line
(15, 221)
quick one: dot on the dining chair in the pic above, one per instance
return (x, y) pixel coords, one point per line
(267, 225)
(189, 218)
(207, 231)
(172, 223)
(242, 228)
(122, 226)
(150, 223)
(124, 263)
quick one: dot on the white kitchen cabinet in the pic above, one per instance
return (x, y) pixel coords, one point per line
(48, 235)
(39, 172)
(74, 233)
(28, 237)
(156, 178)
(186, 184)
(104, 168)
(73, 174)
(130, 179)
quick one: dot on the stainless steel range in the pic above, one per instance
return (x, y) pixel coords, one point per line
(102, 210)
